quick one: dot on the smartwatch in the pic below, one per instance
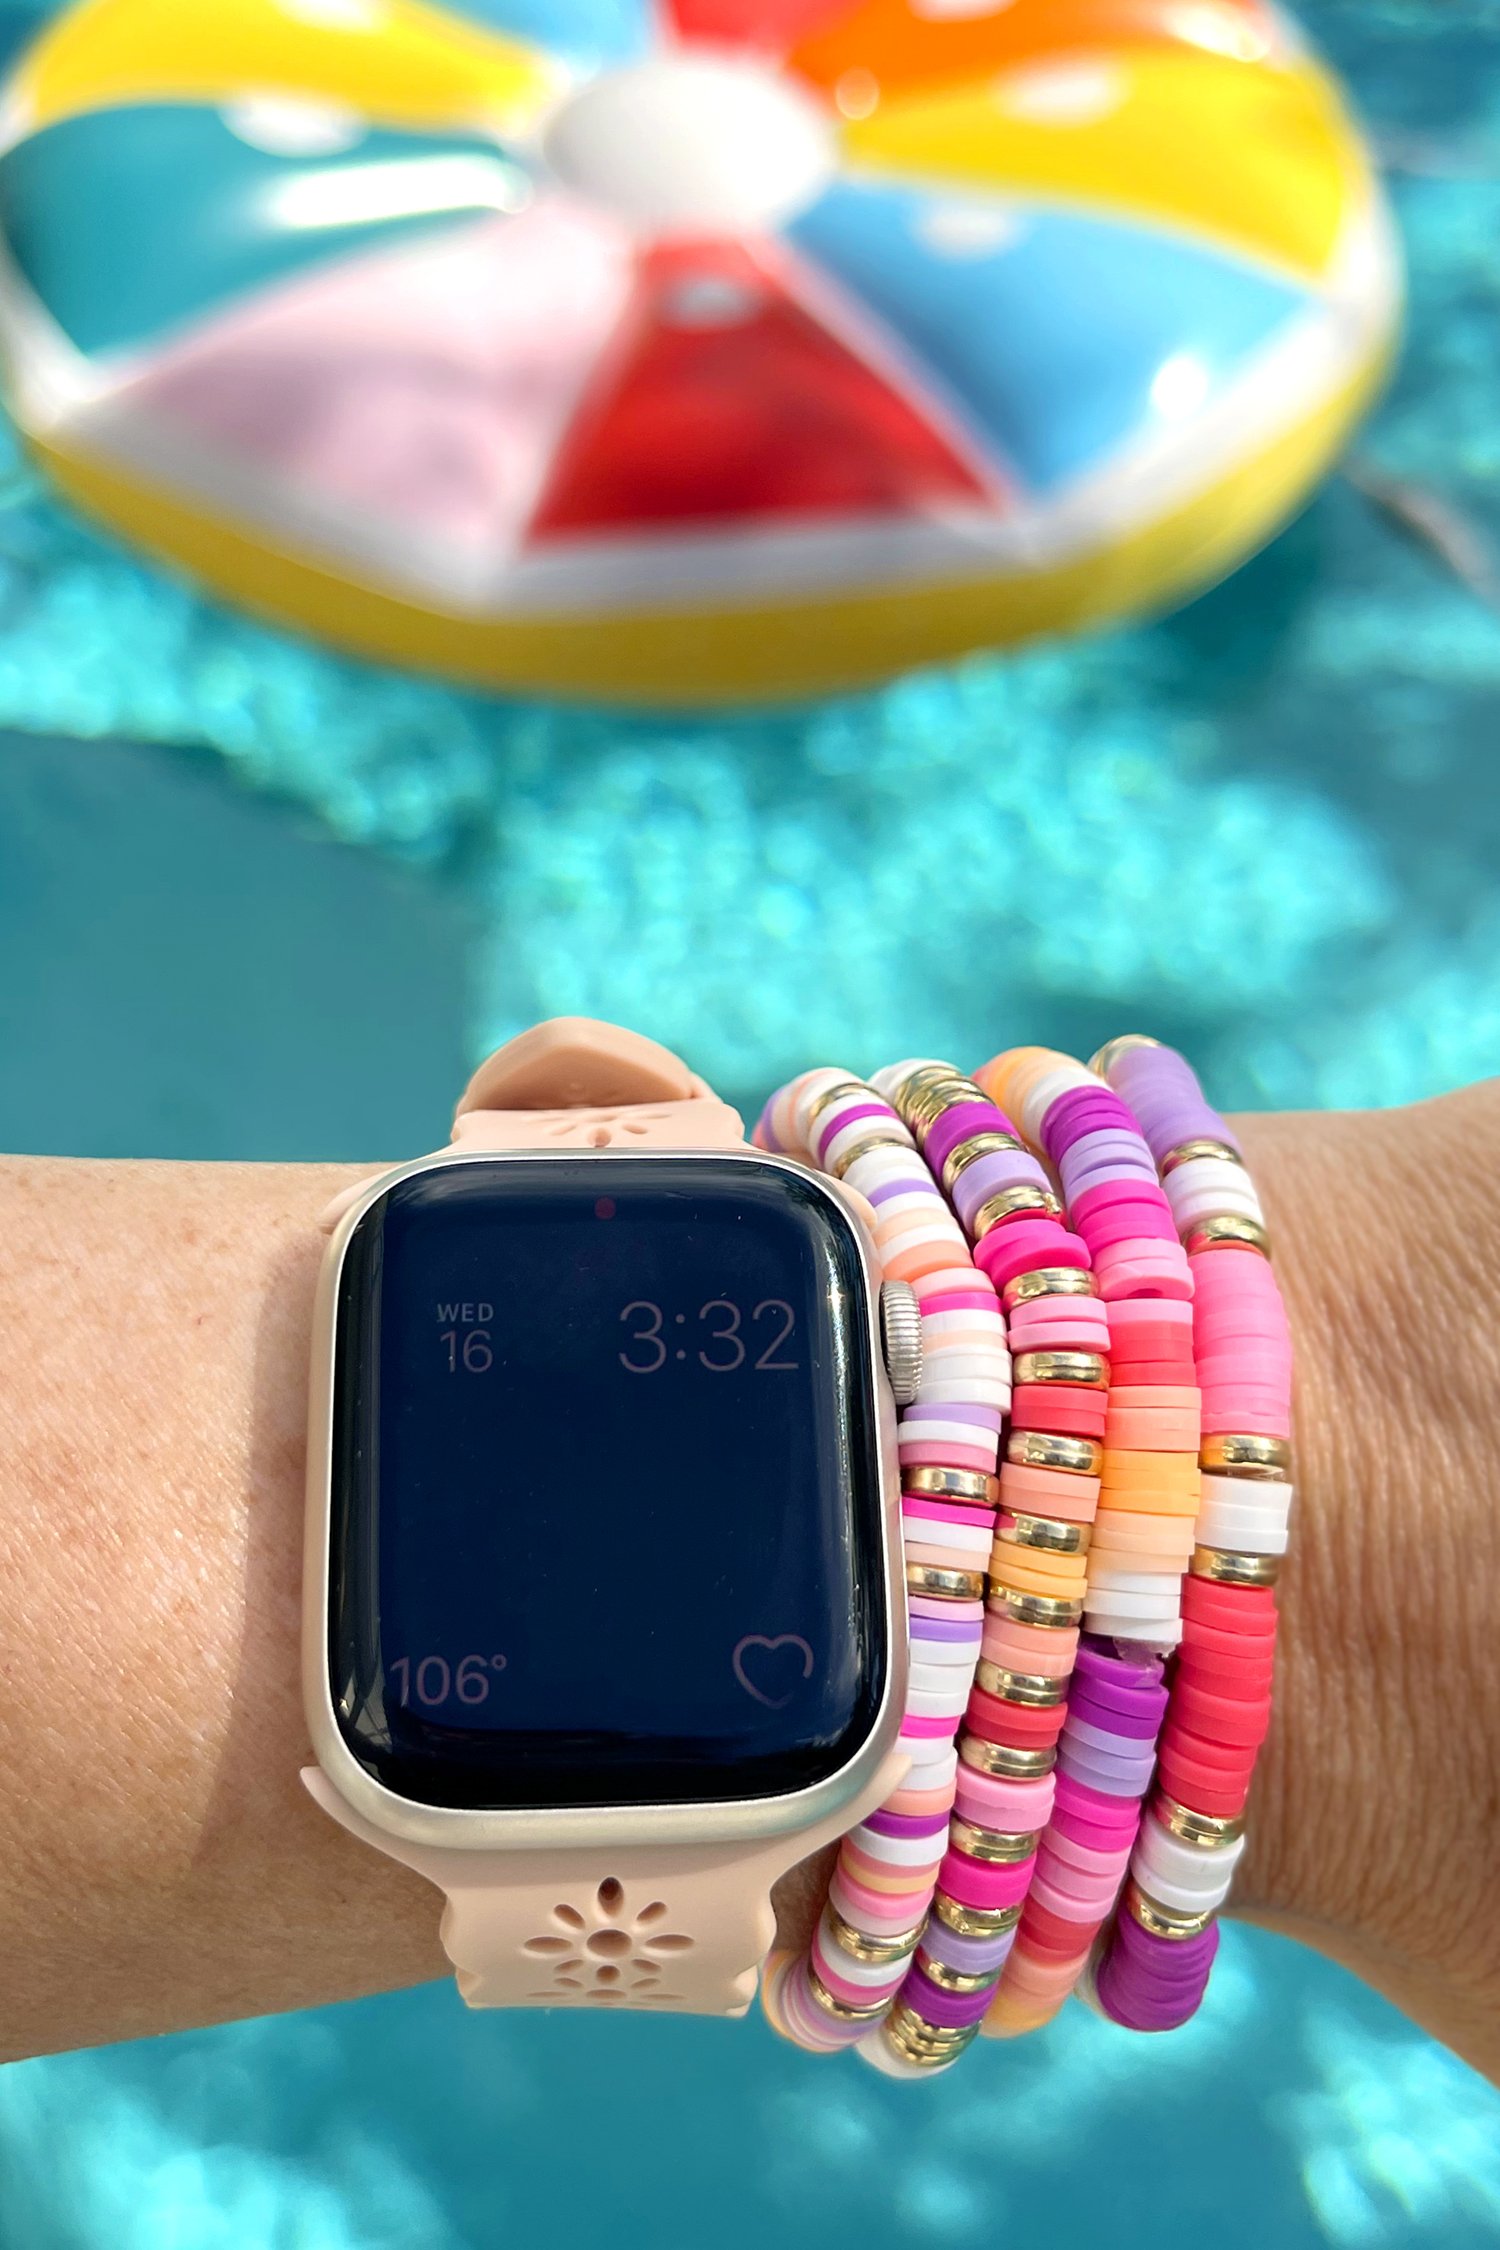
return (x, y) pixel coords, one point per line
(605, 1613)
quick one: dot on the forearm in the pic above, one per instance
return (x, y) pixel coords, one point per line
(1375, 1819)
(159, 1864)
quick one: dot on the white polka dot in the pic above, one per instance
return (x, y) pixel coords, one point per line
(282, 125)
(857, 94)
(351, 195)
(1078, 93)
(710, 301)
(969, 230)
(1182, 384)
(1202, 23)
(941, 11)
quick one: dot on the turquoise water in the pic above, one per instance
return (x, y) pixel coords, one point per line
(274, 903)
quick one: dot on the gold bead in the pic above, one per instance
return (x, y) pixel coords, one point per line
(929, 2046)
(946, 1585)
(1024, 1608)
(993, 1846)
(1227, 1569)
(1041, 1449)
(839, 1091)
(1229, 1231)
(1049, 1534)
(904, 1094)
(1005, 1760)
(1007, 1203)
(840, 2010)
(957, 1980)
(940, 1095)
(1239, 1454)
(897, 2043)
(1099, 1063)
(936, 2043)
(1189, 1152)
(934, 1082)
(1209, 1831)
(875, 1952)
(917, 1075)
(971, 1487)
(958, 1088)
(893, 1135)
(923, 1104)
(922, 1097)
(1165, 1921)
(1047, 1281)
(1089, 1369)
(1037, 1690)
(968, 1152)
(975, 1921)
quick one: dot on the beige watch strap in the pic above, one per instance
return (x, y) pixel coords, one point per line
(681, 1930)
(673, 1929)
(574, 1083)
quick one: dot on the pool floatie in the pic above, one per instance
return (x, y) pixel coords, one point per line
(755, 351)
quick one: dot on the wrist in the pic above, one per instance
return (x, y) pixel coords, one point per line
(159, 1865)
(1373, 1810)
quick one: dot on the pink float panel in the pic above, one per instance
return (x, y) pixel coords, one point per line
(423, 389)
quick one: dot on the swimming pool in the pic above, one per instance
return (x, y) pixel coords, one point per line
(1273, 833)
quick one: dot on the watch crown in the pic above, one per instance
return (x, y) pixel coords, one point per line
(901, 1339)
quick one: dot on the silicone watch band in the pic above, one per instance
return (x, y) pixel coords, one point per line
(678, 1930)
(573, 1083)
(671, 1929)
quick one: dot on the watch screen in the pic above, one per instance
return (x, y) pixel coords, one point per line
(607, 1519)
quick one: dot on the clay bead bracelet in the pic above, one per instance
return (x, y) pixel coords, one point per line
(1143, 1531)
(1154, 1971)
(948, 1445)
(1049, 1486)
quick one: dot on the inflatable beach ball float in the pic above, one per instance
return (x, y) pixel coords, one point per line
(721, 349)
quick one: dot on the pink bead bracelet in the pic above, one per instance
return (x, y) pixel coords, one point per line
(1153, 1972)
(948, 1442)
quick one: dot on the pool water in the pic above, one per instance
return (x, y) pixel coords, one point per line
(274, 903)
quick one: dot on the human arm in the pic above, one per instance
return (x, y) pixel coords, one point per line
(160, 1865)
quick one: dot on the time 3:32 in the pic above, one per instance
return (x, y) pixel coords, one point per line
(718, 1339)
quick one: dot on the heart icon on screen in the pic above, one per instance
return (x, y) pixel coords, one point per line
(772, 1668)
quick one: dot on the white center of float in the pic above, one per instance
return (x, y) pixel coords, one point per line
(693, 144)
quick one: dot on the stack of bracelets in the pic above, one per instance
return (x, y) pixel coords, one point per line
(875, 1931)
(1096, 1625)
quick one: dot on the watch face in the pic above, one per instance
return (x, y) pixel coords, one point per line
(606, 1485)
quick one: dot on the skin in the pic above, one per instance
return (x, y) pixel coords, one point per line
(161, 1867)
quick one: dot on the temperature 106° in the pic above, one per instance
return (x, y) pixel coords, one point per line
(430, 1680)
